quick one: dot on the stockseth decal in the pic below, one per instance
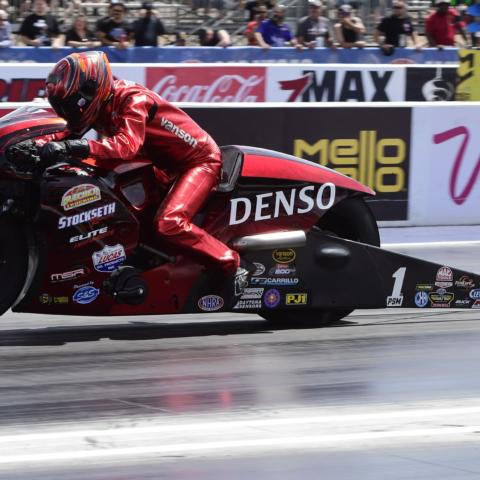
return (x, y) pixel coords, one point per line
(86, 294)
(272, 298)
(444, 277)
(181, 134)
(260, 269)
(421, 299)
(273, 281)
(109, 258)
(80, 196)
(287, 255)
(89, 215)
(266, 206)
(210, 303)
(296, 299)
(66, 276)
(98, 233)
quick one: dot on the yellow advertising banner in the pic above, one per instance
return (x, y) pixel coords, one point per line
(468, 75)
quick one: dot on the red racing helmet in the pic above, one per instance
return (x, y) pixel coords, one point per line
(78, 87)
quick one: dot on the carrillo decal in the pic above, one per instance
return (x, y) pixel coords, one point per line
(266, 206)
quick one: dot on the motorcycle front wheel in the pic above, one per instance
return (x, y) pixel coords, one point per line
(351, 219)
(13, 262)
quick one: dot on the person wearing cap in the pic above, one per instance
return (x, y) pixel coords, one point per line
(349, 29)
(251, 28)
(274, 32)
(148, 27)
(442, 25)
(315, 30)
(114, 30)
(395, 29)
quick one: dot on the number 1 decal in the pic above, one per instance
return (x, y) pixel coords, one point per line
(396, 298)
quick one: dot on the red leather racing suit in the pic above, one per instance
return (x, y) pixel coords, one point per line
(138, 122)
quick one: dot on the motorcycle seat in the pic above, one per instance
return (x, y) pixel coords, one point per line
(232, 161)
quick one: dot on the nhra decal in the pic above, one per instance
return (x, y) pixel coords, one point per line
(441, 298)
(80, 196)
(86, 294)
(109, 258)
(296, 299)
(444, 277)
(421, 299)
(89, 215)
(66, 276)
(273, 281)
(181, 134)
(83, 238)
(266, 206)
(284, 256)
(282, 270)
(272, 298)
(210, 303)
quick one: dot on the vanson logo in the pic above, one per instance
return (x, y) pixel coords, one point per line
(266, 206)
(181, 134)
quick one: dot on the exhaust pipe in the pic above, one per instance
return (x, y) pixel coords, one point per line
(268, 241)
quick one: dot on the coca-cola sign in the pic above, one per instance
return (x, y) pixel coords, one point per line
(207, 84)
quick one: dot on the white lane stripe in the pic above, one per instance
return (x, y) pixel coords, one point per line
(305, 441)
(349, 419)
(448, 243)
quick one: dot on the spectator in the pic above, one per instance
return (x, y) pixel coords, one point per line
(441, 25)
(473, 22)
(349, 29)
(314, 30)
(213, 38)
(252, 26)
(252, 6)
(148, 27)
(274, 32)
(395, 29)
(40, 28)
(114, 30)
(80, 36)
(5, 30)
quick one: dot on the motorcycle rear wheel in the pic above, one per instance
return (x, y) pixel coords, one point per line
(13, 262)
(351, 219)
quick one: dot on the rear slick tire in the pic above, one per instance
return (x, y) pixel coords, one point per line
(351, 219)
(13, 262)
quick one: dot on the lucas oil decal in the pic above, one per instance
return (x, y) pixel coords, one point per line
(266, 206)
(109, 258)
(80, 196)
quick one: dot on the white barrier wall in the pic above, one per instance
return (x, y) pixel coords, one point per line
(442, 162)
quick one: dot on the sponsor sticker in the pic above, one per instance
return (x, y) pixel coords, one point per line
(444, 277)
(421, 299)
(465, 282)
(273, 281)
(475, 294)
(210, 303)
(424, 287)
(284, 256)
(441, 298)
(86, 294)
(282, 269)
(66, 276)
(271, 298)
(85, 237)
(465, 302)
(296, 299)
(46, 299)
(109, 258)
(476, 304)
(252, 293)
(260, 269)
(248, 305)
(80, 196)
(87, 216)
(395, 301)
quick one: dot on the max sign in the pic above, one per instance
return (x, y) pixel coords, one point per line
(266, 206)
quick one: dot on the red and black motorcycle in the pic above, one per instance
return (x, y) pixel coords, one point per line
(79, 240)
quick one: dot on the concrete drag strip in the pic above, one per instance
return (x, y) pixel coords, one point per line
(345, 428)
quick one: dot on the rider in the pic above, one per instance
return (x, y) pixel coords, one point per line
(133, 120)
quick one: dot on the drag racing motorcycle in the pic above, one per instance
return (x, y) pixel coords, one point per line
(78, 240)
